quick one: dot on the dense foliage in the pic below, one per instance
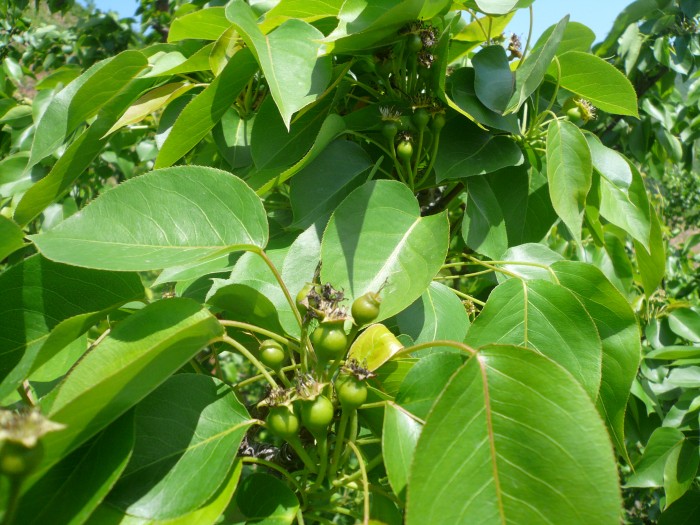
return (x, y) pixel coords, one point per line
(339, 262)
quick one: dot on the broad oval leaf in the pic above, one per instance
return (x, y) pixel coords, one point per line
(165, 218)
(203, 24)
(601, 83)
(377, 239)
(138, 355)
(620, 336)
(685, 322)
(262, 498)
(545, 317)
(570, 172)
(288, 57)
(483, 227)
(649, 470)
(374, 347)
(187, 433)
(437, 314)
(74, 487)
(11, 237)
(520, 442)
(46, 305)
(494, 81)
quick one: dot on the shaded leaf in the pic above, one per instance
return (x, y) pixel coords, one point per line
(399, 437)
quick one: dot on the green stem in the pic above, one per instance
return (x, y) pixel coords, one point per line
(277, 468)
(419, 152)
(409, 172)
(365, 481)
(278, 278)
(12, 501)
(322, 447)
(529, 37)
(468, 297)
(301, 452)
(339, 437)
(352, 436)
(245, 353)
(258, 377)
(430, 344)
(258, 330)
(433, 155)
(493, 266)
(373, 463)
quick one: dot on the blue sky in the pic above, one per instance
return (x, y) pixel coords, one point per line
(596, 14)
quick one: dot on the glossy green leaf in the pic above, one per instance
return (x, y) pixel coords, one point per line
(400, 435)
(425, 382)
(477, 31)
(617, 326)
(318, 188)
(377, 239)
(466, 151)
(69, 492)
(77, 157)
(599, 82)
(139, 354)
(461, 88)
(132, 226)
(203, 24)
(685, 322)
(685, 511)
(680, 471)
(232, 136)
(483, 227)
(264, 499)
(206, 109)
(151, 102)
(530, 261)
(547, 318)
(576, 37)
(82, 99)
(206, 515)
(175, 63)
(496, 7)
(392, 373)
(674, 352)
(569, 171)
(530, 73)
(494, 81)
(47, 305)
(649, 471)
(11, 237)
(307, 10)
(437, 314)
(513, 451)
(14, 177)
(623, 197)
(187, 433)
(374, 346)
(288, 56)
(652, 262)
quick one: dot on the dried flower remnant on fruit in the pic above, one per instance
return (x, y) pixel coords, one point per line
(426, 59)
(25, 426)
(357, 369)
(515, 47)
(323, 302)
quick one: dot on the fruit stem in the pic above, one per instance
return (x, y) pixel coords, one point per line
(342, 426)
(322, 447)
(365, 481)
(352, 435)
(13, 500)
(301, 452)
(254, 361)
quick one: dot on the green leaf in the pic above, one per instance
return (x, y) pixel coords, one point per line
(685, 323)
(139, 354)
(47, 305)
(536, 258)
(204, 24)
(209, 513)
(652, 263)
(14, 177)
(376, 238)
(232, 136)
(530, 73)
(82, 99)
(599, 82)
(374, 346)
(466, 151)
(135, 227)
(680, 471)
(496, 7)
(399, 438)
(483, 226)
(321, 186)
(206, 109)
(437, 314)
(577, 37)
(507, 433)
(77, 157)
(11, 237)
(685, 511)
(306, 10)
(461, 88)
(494, 81)
(619, 333)
(74, 487)
(623, 196)
(187, 432)
(545, 317)
(264, 499)
(569, 171)
(392, 373)
(649, 471)
(674, 352)
(288, 57)
(425, 381)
